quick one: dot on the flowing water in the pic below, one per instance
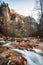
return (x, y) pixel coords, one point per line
(33, 57)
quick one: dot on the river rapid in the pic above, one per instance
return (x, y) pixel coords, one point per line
(32, 56)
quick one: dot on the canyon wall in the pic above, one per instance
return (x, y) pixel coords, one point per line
(14, 24)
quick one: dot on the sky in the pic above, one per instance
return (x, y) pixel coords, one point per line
(23, 7)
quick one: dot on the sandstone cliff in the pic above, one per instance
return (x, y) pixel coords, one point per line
(14, 24)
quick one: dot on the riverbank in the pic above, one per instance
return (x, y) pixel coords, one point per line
(24, 43)
(21, 51)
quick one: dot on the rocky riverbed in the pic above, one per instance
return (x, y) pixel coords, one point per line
(21, 51)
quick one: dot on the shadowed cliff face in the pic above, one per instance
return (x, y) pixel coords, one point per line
(4, 18)
(13, 24)
(9, 22)
(31, 26)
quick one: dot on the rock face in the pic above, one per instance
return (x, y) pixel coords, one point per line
(4, 18)
(31, 27)
(9, 22)
(13, 24)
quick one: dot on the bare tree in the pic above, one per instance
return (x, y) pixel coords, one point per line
(39, 9)
(41, 19)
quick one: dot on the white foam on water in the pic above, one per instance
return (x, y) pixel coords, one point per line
(31, 57)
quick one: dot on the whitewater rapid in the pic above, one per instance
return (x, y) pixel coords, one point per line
(33, 58)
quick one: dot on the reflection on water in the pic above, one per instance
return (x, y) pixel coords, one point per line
(33, 57)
